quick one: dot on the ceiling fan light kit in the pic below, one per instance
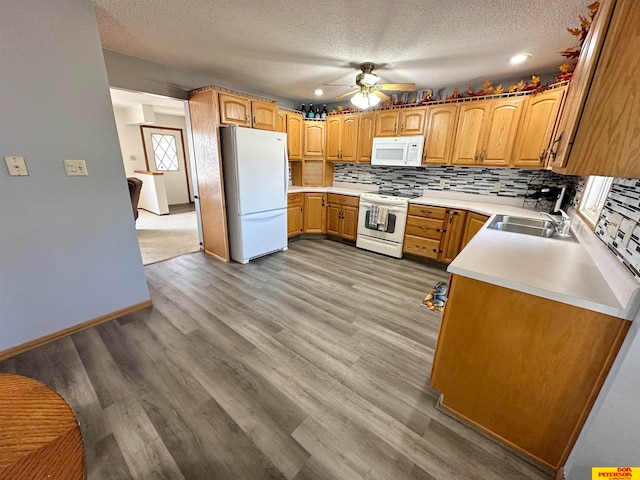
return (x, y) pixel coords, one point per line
(370, 92)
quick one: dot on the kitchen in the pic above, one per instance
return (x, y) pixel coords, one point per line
(320, 173)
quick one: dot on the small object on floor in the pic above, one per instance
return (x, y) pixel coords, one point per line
(437, 297)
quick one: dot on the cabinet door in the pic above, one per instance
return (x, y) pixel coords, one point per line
(349, 223)
(334, 217)
(234, 110)
(294, 220)
(441, 128)
(470, 133)
(313, 139)
(314, 213)
(501, 130)
(281, 122)
(333, 130)
(581, 80)
(294, 136)
(349, 138)
(264, 115)
(387, 123)
(412, 121)
(472, 225)
(366, 129)
(536, 128)
(452, 240)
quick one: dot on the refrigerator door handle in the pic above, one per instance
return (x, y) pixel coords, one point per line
(264, 215)
(286, 175)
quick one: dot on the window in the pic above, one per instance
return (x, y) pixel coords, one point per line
(593, 198)
(164, 152)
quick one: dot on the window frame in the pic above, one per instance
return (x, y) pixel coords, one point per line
(595, 194)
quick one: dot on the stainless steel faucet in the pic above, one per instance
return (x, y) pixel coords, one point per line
(562, 227)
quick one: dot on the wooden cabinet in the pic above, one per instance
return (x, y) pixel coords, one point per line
(342, 137)
(366, 132)
(244, 112)
(537, 127)
(342, 216)
(314, 213)
(521, 368)
(234, 110)
(441, 129)
(281, 122)
(294, 214)
(599, 132)
(452, 241)
(400, 122)
(487, 131)
(294, 135)
(313, 139)
(472, 225)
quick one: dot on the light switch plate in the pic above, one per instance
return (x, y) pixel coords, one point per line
(75, 168)
(614, 225)
(443, 183)
(16, 166)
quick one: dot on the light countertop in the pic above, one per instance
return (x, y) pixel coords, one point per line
(340, 188)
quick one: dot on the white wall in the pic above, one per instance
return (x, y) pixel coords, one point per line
(611, 435)
(69, 248)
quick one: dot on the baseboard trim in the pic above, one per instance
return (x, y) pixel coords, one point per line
(24, 347)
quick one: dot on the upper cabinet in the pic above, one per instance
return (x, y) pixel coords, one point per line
(281, 121)
(537, 127)
(244, 112)
(313, 144)
(486, 132)
(599, 131)
(342, 137)
(403, 122)
(441, 128)
(366, 131)
(294, 135)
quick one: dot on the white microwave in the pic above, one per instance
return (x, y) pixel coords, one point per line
(397, 151)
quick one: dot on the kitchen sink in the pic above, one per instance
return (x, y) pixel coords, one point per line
(536, 227)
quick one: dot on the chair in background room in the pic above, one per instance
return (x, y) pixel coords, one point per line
(135, 185)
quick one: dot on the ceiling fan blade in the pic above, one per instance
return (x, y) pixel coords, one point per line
(337, 85)
(400, 87)
(347, 94)
(384, 97)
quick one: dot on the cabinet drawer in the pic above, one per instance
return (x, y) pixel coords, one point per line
(349, 200)
(425, 247)
(424, 227)
(427, 211)
(295, 198)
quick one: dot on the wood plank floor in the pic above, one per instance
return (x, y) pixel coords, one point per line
(308, 364)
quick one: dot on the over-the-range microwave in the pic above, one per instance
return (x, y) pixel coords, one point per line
(397, 151)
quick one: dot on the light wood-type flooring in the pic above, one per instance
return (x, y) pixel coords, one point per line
(308, 364)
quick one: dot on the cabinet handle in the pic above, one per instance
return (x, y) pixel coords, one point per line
(254, 120)
(395, 127)
(426, 212)
(402, 127)
(420, 247)
(543, 154)
(482, 155)
(476, 157)
(422, 227)
(248, 119)
(553, 154)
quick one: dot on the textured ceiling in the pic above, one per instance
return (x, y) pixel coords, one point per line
(289, 48)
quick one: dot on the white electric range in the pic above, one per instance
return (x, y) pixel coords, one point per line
(381, 222)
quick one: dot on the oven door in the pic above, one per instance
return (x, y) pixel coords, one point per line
(395, 224)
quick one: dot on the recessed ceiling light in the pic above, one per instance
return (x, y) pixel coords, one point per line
(318, 91)
(522, 57)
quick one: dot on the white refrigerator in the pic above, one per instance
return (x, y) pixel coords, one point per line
(256, 174)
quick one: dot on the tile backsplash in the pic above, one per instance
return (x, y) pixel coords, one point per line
(483, 181)
(623, 198)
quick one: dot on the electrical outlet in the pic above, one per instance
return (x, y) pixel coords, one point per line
(75, 168)
(360, 176)
(132, 158)
(496, 187)
(614, 225)
(627, 236)
(443, 183)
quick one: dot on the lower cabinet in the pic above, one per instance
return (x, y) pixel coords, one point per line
(294, 214)
(342, 216)
(473, 224)
(434, 232)
(313, 218)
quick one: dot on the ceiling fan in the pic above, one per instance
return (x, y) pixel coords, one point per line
(370, 93)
